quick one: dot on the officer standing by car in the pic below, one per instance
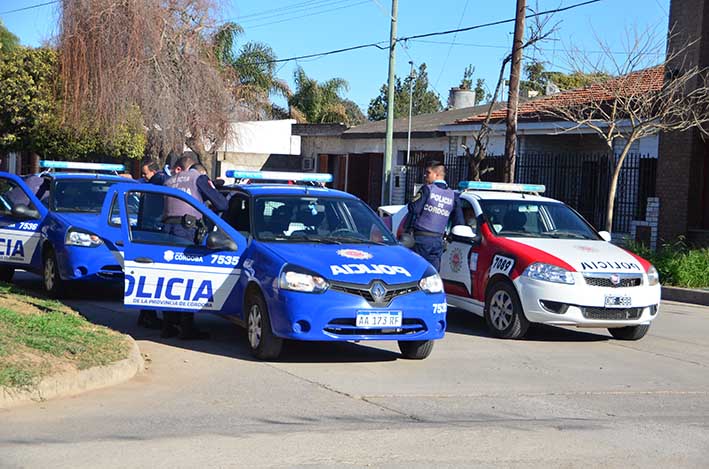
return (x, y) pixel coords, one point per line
(152, 174)
(182, 219)
(430, 212)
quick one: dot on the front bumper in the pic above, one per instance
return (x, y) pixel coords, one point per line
(89, 264)
(331, 316)
(583, 305)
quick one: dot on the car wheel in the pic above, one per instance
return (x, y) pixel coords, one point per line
(262, 342)
(415, 349)
(51, 280)
(6, 274)
(503, 312)
(629, 332)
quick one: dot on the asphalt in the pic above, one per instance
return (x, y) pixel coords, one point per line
(560, 398)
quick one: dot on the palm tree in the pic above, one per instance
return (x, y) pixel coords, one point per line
(320, 102)
(253, 68)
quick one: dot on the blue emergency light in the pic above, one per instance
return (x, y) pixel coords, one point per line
(279, 176)
(81, 165)
(500, 186)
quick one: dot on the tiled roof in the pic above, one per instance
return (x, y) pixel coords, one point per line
(640, 82)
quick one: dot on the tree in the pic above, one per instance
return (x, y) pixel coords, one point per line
(253, 67)
(424, 99)
(317, 102)
(640, 101)
(30, 117)
(466, 83)
(481, 93)
(538, 78)
(150, 56)
(8, 41)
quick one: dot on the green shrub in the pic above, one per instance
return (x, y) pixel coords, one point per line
(679, 265)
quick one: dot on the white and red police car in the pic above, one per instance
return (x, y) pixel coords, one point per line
(522, 258)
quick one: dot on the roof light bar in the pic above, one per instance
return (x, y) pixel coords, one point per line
(279, 176)
(500, 186)
(81, 165)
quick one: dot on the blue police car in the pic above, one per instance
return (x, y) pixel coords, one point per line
(51, 224)
(285, 261)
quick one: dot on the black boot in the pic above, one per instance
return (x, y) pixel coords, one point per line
(188, 330)
(169, 329)
(149, 319)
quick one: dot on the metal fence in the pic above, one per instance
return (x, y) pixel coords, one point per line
(582, 180)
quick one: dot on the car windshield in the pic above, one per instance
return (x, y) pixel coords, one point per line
(529, 219)
(80, 195)
(318, 219)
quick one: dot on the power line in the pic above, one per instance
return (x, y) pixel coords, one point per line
(296, 6)
(495, 46)
(30, 7)
(455, 36)
(292, 11)
(419, 36)
(307, 15)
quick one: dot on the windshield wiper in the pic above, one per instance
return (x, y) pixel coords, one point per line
(562, 234)
(359, 241)
(316, 239)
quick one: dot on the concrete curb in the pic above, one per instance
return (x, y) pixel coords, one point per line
(76, 382)
(686, 295)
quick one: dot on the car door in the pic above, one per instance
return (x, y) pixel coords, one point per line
(21, 219)
(459, 260)
(167, 269)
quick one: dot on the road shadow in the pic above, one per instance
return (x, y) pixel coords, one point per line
(466, 323)
(103, 306)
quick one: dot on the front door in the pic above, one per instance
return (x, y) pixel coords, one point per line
(21, 217)
(176, 263)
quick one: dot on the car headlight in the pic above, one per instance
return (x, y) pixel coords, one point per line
(653, 276)
(549, 273)
(431, 282)
(75, 237)
(302, 280)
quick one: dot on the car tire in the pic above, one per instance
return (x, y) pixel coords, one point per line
(6, 274)
(262, 341)
(629, 332)
(415, 349)
(503, 312)
(51, 280)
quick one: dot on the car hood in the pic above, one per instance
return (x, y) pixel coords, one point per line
(354, 263)
(86, 221)
(587, 255)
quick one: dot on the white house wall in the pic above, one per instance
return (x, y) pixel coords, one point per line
(262, 137)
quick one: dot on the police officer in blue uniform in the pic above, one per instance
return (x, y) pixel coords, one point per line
(183, 220)
(430, 212)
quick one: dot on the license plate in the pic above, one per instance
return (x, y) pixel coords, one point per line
(613, 301)
(379, 319)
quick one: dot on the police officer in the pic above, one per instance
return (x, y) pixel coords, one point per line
(181, 219)
(429, 213)
(152, 174)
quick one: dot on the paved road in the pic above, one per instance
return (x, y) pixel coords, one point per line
(560, 398)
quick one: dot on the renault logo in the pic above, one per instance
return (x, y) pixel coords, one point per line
(378, 292)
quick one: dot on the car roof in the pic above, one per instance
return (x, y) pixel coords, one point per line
(87, 176)
(287, 189)
(501, 195)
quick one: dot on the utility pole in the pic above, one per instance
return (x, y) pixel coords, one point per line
(513, 99)
(411, 107)
(389, 143)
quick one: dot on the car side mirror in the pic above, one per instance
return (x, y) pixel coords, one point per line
(605, 236)
(218, 241)
(464, 234)
(23, 212)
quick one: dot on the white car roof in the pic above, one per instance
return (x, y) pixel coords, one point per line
(500, 195)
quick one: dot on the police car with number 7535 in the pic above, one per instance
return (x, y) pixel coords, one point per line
(286, 261)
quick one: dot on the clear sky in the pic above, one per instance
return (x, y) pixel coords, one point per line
(297, 27)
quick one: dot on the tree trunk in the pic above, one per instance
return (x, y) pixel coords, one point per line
(614, 184)
(513, 100)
